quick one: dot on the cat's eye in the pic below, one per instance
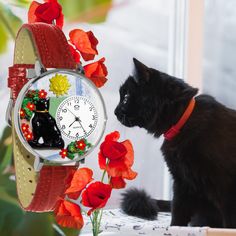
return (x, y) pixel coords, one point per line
(126, 97)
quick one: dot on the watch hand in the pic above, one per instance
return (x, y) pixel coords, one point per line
(72, 112)
(81, 125)
(72, 123)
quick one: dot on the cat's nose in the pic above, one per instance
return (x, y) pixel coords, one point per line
(120, 110)
(116, 111)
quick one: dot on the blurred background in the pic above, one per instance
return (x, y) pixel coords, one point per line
(193, 40)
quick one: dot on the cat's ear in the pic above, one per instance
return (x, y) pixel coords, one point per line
(141, 72)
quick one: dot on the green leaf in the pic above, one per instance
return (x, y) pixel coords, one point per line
(10, 217)
(9, 21)
(35, 224)
(6, 149)
(9, 25)
(61, 231)
(92, 11)
(10, 214)
(21, 3)
(3, 38)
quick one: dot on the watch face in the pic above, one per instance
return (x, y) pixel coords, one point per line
(76, 117)
(60, 116)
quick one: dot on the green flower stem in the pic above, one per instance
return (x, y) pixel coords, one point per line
(100, 218)
(95, 223)
(7, 25)
(103, 175)
(104, 172)
(97, 215)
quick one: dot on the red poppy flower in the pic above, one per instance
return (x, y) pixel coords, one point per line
(28, 136)
(63, 153)
(24, 127)
(117, 182)
(81, 144)
(75, 54)
(96, 196)
(97, 72)
(85, 43)
(78, 182)
(30, 106)
(120, 157)
(68, 214)
(42, 94)
(46, 12)
(22, 114)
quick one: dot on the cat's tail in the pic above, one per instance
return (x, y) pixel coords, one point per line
(138, 203)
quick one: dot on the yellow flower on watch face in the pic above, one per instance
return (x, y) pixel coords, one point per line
(59, 85)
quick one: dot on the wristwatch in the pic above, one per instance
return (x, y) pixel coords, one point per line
(57, 115)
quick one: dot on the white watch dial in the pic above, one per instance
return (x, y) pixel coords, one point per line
(76, 117)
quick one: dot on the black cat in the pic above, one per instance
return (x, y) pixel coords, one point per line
(44, 126)
(201, 158)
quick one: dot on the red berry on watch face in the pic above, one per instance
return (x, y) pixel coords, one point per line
(42, 94)
(81, 144)
(30, 106)
(63, 153)
(28, 136)
(22, 114)
(24, 127)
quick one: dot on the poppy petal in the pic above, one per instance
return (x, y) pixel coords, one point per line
(60, 21)
(96, 72)
(84, 42)
(117, 182)
(80, 179)
(96, 195)
(101, 161)
(113, 150)
(129, 174)
(114, 136)
(68, 214)
(129, 157)
(31, 13)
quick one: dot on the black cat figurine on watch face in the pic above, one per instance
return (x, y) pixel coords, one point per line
(44, 127)
(201, 158)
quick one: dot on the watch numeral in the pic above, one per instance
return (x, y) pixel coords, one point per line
(91, 126)
(60, 118)
(77, 101)
(90, 108)
(69, 132)
(77, 135)
(93, 118)
(63, 126)
(68, 103)
(64, 110)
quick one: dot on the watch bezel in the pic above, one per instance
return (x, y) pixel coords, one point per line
(19, 101)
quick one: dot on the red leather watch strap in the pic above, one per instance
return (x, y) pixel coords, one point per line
(51, 48)
(47, 44)
(17, 78)
(51, 185)
(51, 45)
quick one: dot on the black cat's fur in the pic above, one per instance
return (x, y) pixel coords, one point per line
(201, 158)
(44, 126)
(143, 206)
